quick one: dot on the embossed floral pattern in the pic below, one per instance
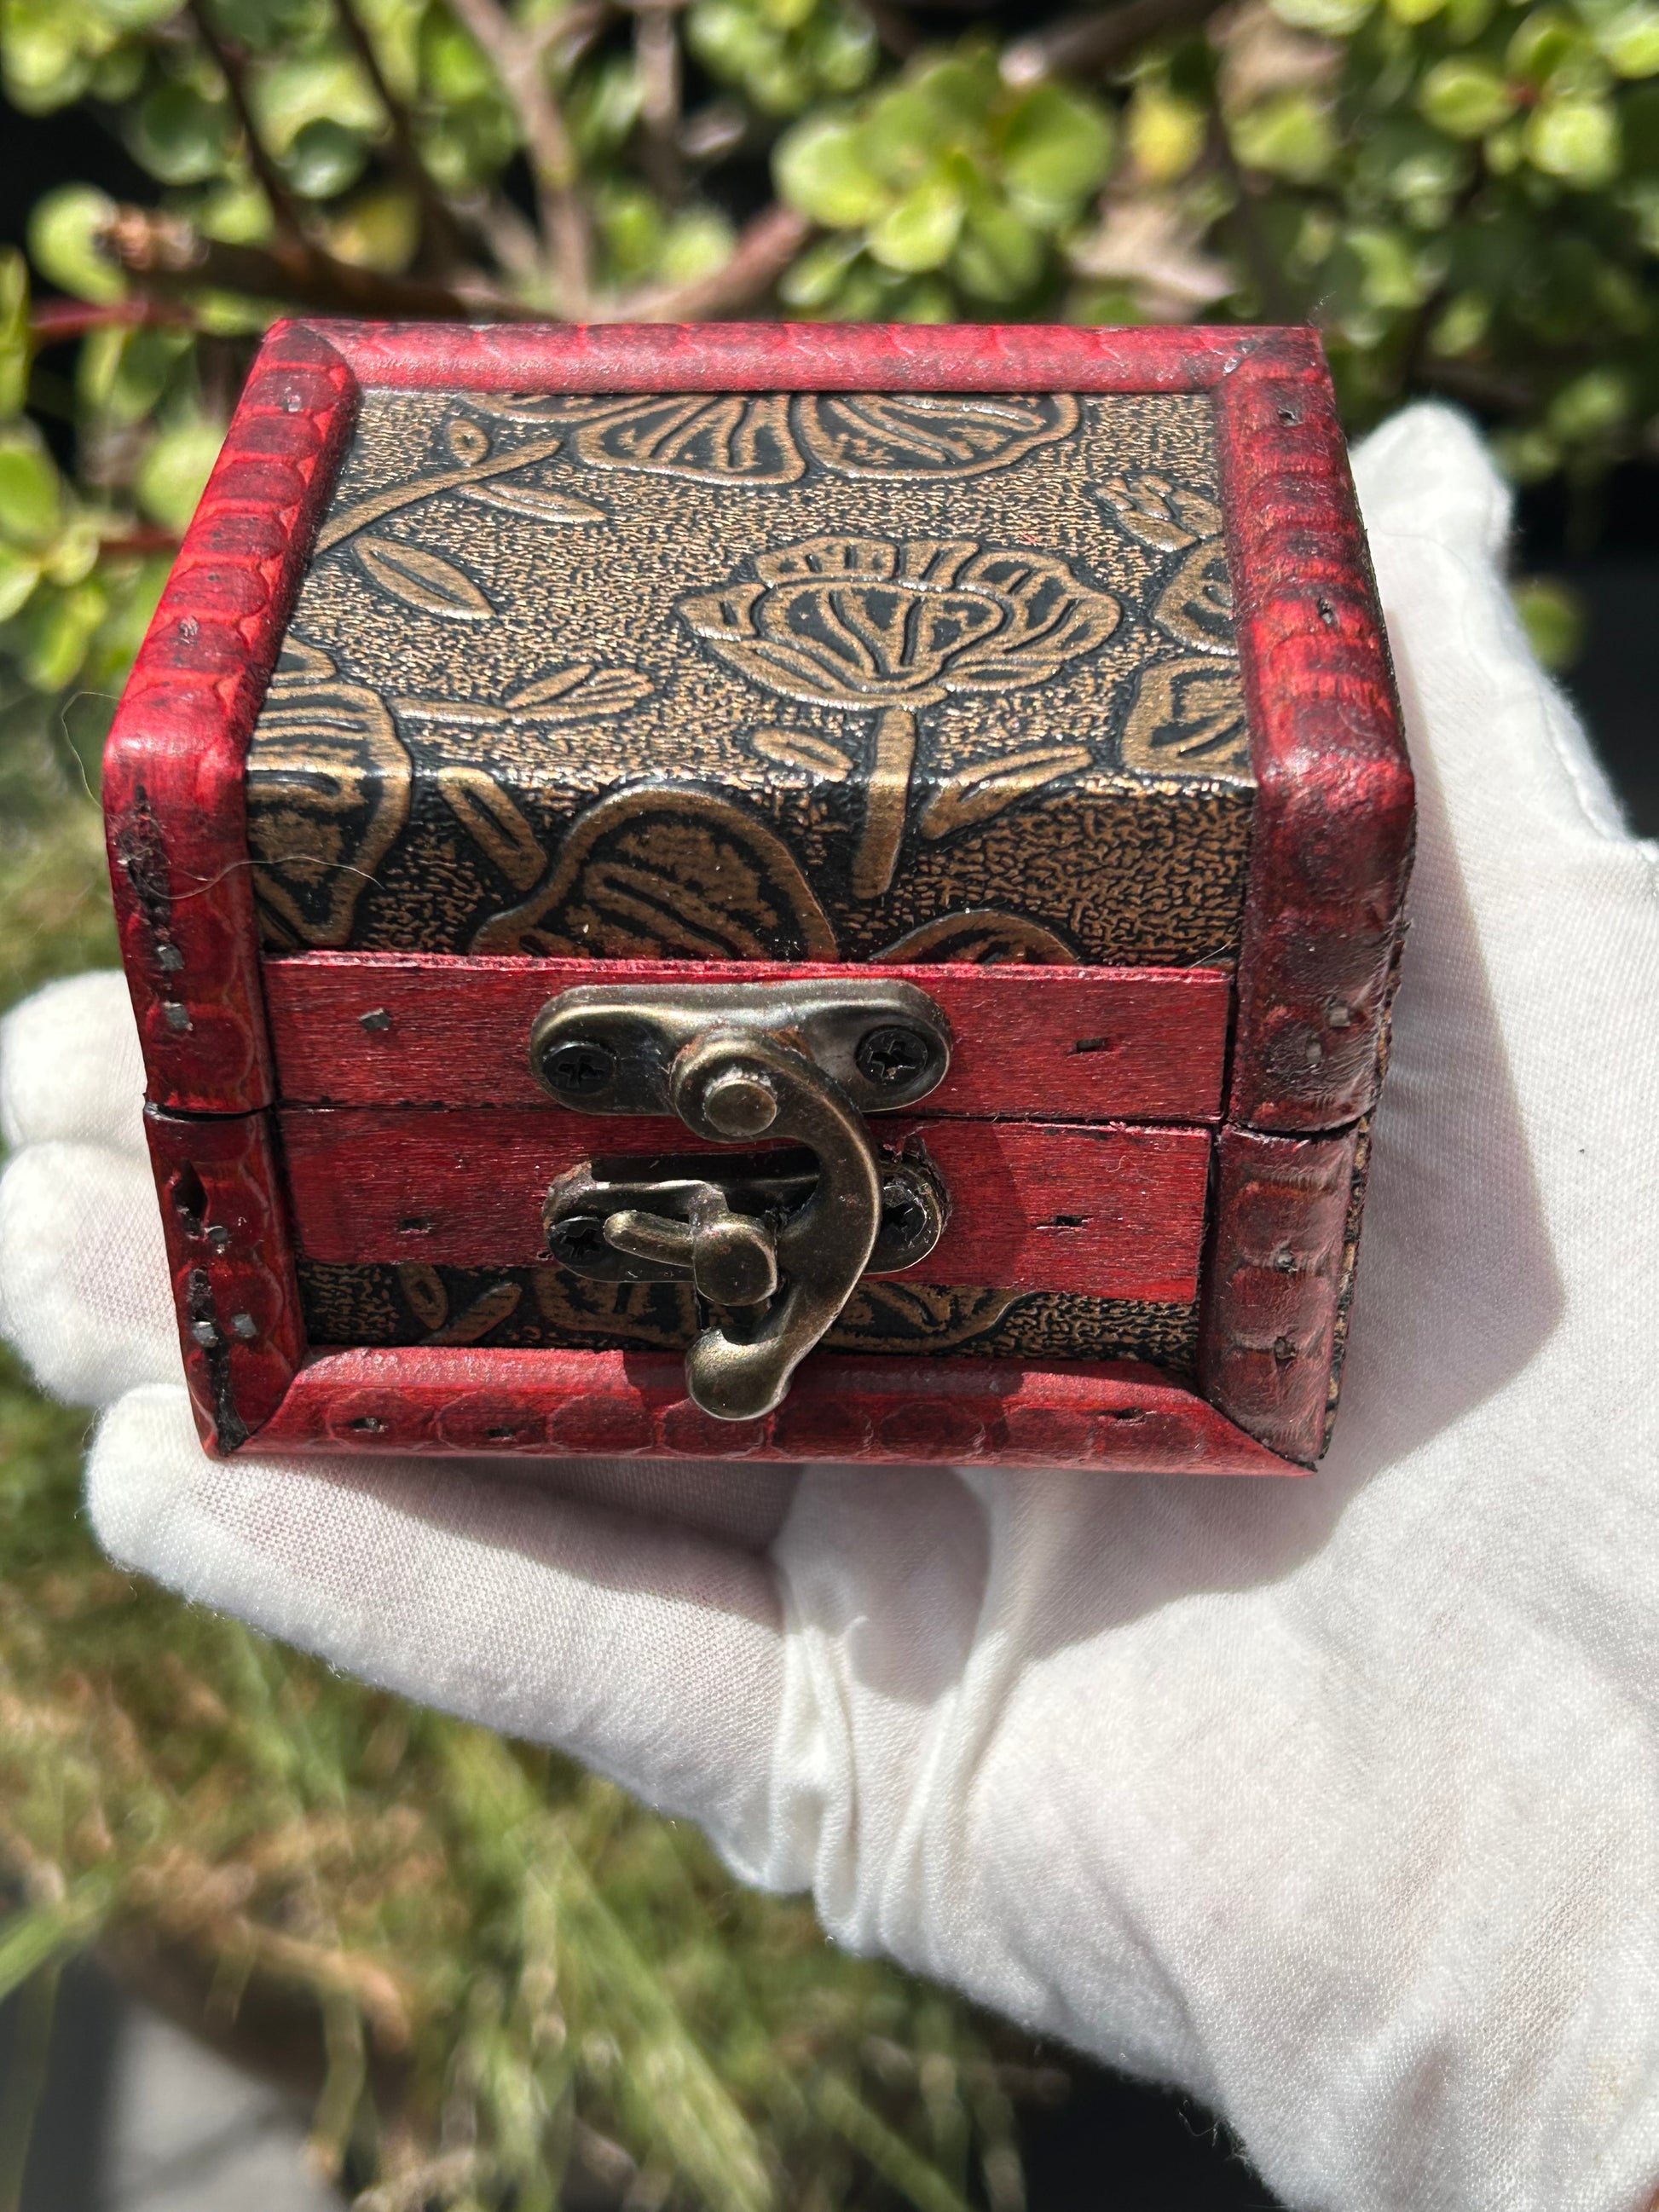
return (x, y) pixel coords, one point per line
(867, 622)
(771, 438)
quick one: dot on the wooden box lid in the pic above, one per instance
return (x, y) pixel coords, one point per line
(762, 676)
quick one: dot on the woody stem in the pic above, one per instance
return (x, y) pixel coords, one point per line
(887, 804)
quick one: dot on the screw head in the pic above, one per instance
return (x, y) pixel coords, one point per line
(579, 1069)
(579, 1237)
(891, 1055)
(903, 1216)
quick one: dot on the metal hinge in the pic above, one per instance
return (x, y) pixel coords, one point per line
(776, 1239)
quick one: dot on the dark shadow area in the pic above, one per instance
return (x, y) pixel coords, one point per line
(71, 2113)
(1605, 548)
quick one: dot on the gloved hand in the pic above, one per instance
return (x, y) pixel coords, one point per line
(1335, 1800)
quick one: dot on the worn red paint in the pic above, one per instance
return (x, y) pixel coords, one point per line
(1062, 1044)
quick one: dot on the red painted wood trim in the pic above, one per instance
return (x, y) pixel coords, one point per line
(234, 1282)
(1114, 1415)
(1066, 1044)
(1104, 1210)
(1282, 1253)
(789, 356)
(1331, 832)
(173, 767)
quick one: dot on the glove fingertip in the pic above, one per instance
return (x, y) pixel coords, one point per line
(70, 1065)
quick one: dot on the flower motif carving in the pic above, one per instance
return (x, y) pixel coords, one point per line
(867, 624)
(773, 438)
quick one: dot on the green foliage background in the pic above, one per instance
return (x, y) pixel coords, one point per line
(494, 1970)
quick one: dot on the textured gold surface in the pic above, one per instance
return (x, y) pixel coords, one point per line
(529, 1306)
(809, 677)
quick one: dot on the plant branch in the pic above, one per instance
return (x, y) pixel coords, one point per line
(229, 62)
(55, 322)
(440, 237)
(657, 58)
(761, 254)
(1080, 44)
(518, 62)
(168, 252)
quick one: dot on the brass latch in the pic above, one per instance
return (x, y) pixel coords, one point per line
(779, 1237)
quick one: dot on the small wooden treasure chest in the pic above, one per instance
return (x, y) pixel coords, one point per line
(775, 891)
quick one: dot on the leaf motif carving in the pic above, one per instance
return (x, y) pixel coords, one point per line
(881, 1314)
(803, 748)
(1165, 516)
(668, 870)
(569, 694)
(328, 795)
(494, 822)
(422, 579)
(1188, 714)
(534, 502)
(983, 937)
(928, 435)
(1196, 605)
(488, 1310)
(664, 1314)
(424, 1291)
(977, 794)
(572, 693)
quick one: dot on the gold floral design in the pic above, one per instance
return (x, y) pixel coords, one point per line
(328, 792)
(1188, 712)
(771, 438)
(472, 465)
(871, 625)
(981, 936)
(673, 870)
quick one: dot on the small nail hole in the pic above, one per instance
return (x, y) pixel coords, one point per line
(190, 1198)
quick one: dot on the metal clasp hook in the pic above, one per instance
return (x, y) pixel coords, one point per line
(796, 1065)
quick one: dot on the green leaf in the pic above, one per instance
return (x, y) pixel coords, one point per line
(64, 231)
(18, 575)
(1547, 44)
(58, 628)
(1056, 149)
(31, 500)
(15, 351)
(998, 258)
(1591, 406)
(922, 230)
(1553, 615)
(324, 160)
(1630, 40)
(47, 66)
(180, 137)
(1287, 134)
(1392, 275)
(1332, 19)
(1576, 140)
(176, 471)
(822, 170)
(1461, 326)
(313, 88)
(813, 280)
(1465, 98)
(1165, 133)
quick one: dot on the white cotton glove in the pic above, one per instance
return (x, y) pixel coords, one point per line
(1335, 1801)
